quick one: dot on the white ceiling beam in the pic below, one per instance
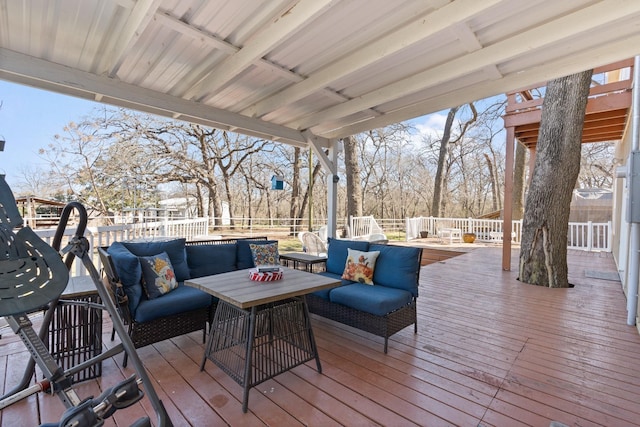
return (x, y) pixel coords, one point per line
(37, 72)
(471, 43)
(167, 20)
(566, 65)
(140, 16)
(409, 34)
(462, 32)
(280, 28)
(521, 44)
(214, 42)
(318, 144)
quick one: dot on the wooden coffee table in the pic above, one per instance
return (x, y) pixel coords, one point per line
(260, 329)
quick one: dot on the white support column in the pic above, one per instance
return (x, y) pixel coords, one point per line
(332, 191)
(329, 162)
(634, 236)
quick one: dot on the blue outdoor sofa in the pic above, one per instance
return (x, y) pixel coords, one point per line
(183, 309)
(384, 308)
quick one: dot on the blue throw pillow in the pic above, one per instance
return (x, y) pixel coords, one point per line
(245, 257)
(157, 274)
(129, 271)
(337, 253)
(205, 260)
(174, 248)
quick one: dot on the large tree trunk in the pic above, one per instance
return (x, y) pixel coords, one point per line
(494, 183)
(543, 255)
(352, 172)
(295, 192)
(517, 210)
(440, 181)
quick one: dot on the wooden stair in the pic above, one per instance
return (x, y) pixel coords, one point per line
(430, 255)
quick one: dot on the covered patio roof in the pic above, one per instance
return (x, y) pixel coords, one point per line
(305, 71)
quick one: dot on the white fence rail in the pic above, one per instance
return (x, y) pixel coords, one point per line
(587, 236)
(104, 236)
(364, 226)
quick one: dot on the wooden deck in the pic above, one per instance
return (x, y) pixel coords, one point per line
(490, 351)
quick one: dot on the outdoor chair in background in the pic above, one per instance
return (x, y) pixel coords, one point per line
(378, 239)
(313, 244)
(322, 233)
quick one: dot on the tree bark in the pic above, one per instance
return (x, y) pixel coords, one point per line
(543, 254)
(440, 180)
(352, 172)
(517, 210)
(295, 192)
(494, 184)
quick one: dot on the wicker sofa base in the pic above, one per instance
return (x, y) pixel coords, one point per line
(163, 328)
(382, 326)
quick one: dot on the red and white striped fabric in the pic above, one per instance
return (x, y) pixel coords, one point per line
(265, 276)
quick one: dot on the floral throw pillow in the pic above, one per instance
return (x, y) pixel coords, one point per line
(157, 275)
(265, 254)
(360, 266)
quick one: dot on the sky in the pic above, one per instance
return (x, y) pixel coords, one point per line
(29, 119)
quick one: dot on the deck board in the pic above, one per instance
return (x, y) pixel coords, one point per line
(490, 351)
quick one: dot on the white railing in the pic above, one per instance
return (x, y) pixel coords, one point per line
(364, 226)
(587, 236)
(104, 236)
(590, 236)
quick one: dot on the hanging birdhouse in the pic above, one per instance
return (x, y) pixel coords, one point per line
(277, 182)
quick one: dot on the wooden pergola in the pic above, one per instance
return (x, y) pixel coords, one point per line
(28, 207)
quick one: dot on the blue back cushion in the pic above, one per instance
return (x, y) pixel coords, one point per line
(174, 248)
(130, 272)
(397, 267)
(205, 260)
(337, 253)
(245, 257)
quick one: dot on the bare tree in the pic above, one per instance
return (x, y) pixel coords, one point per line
(597, 169)
(439, 185)
(352, 173)
(91, 161)
(543, 254)
(494, 182)
(36, 181)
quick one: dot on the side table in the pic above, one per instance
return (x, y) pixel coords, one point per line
(75, 332)
(300, 259)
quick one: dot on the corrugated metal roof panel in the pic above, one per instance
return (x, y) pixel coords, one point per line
(275, 67)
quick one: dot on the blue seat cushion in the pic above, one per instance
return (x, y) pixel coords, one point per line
(179, 300)
(337, 253)
(324, 293)
(377, 300)
(397, 267)
(129, 271)
(245, 256)
(174, 248)
(205, 260)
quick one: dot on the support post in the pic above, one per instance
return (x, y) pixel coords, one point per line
(634, 244)
(508, 200)
(329, 163)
